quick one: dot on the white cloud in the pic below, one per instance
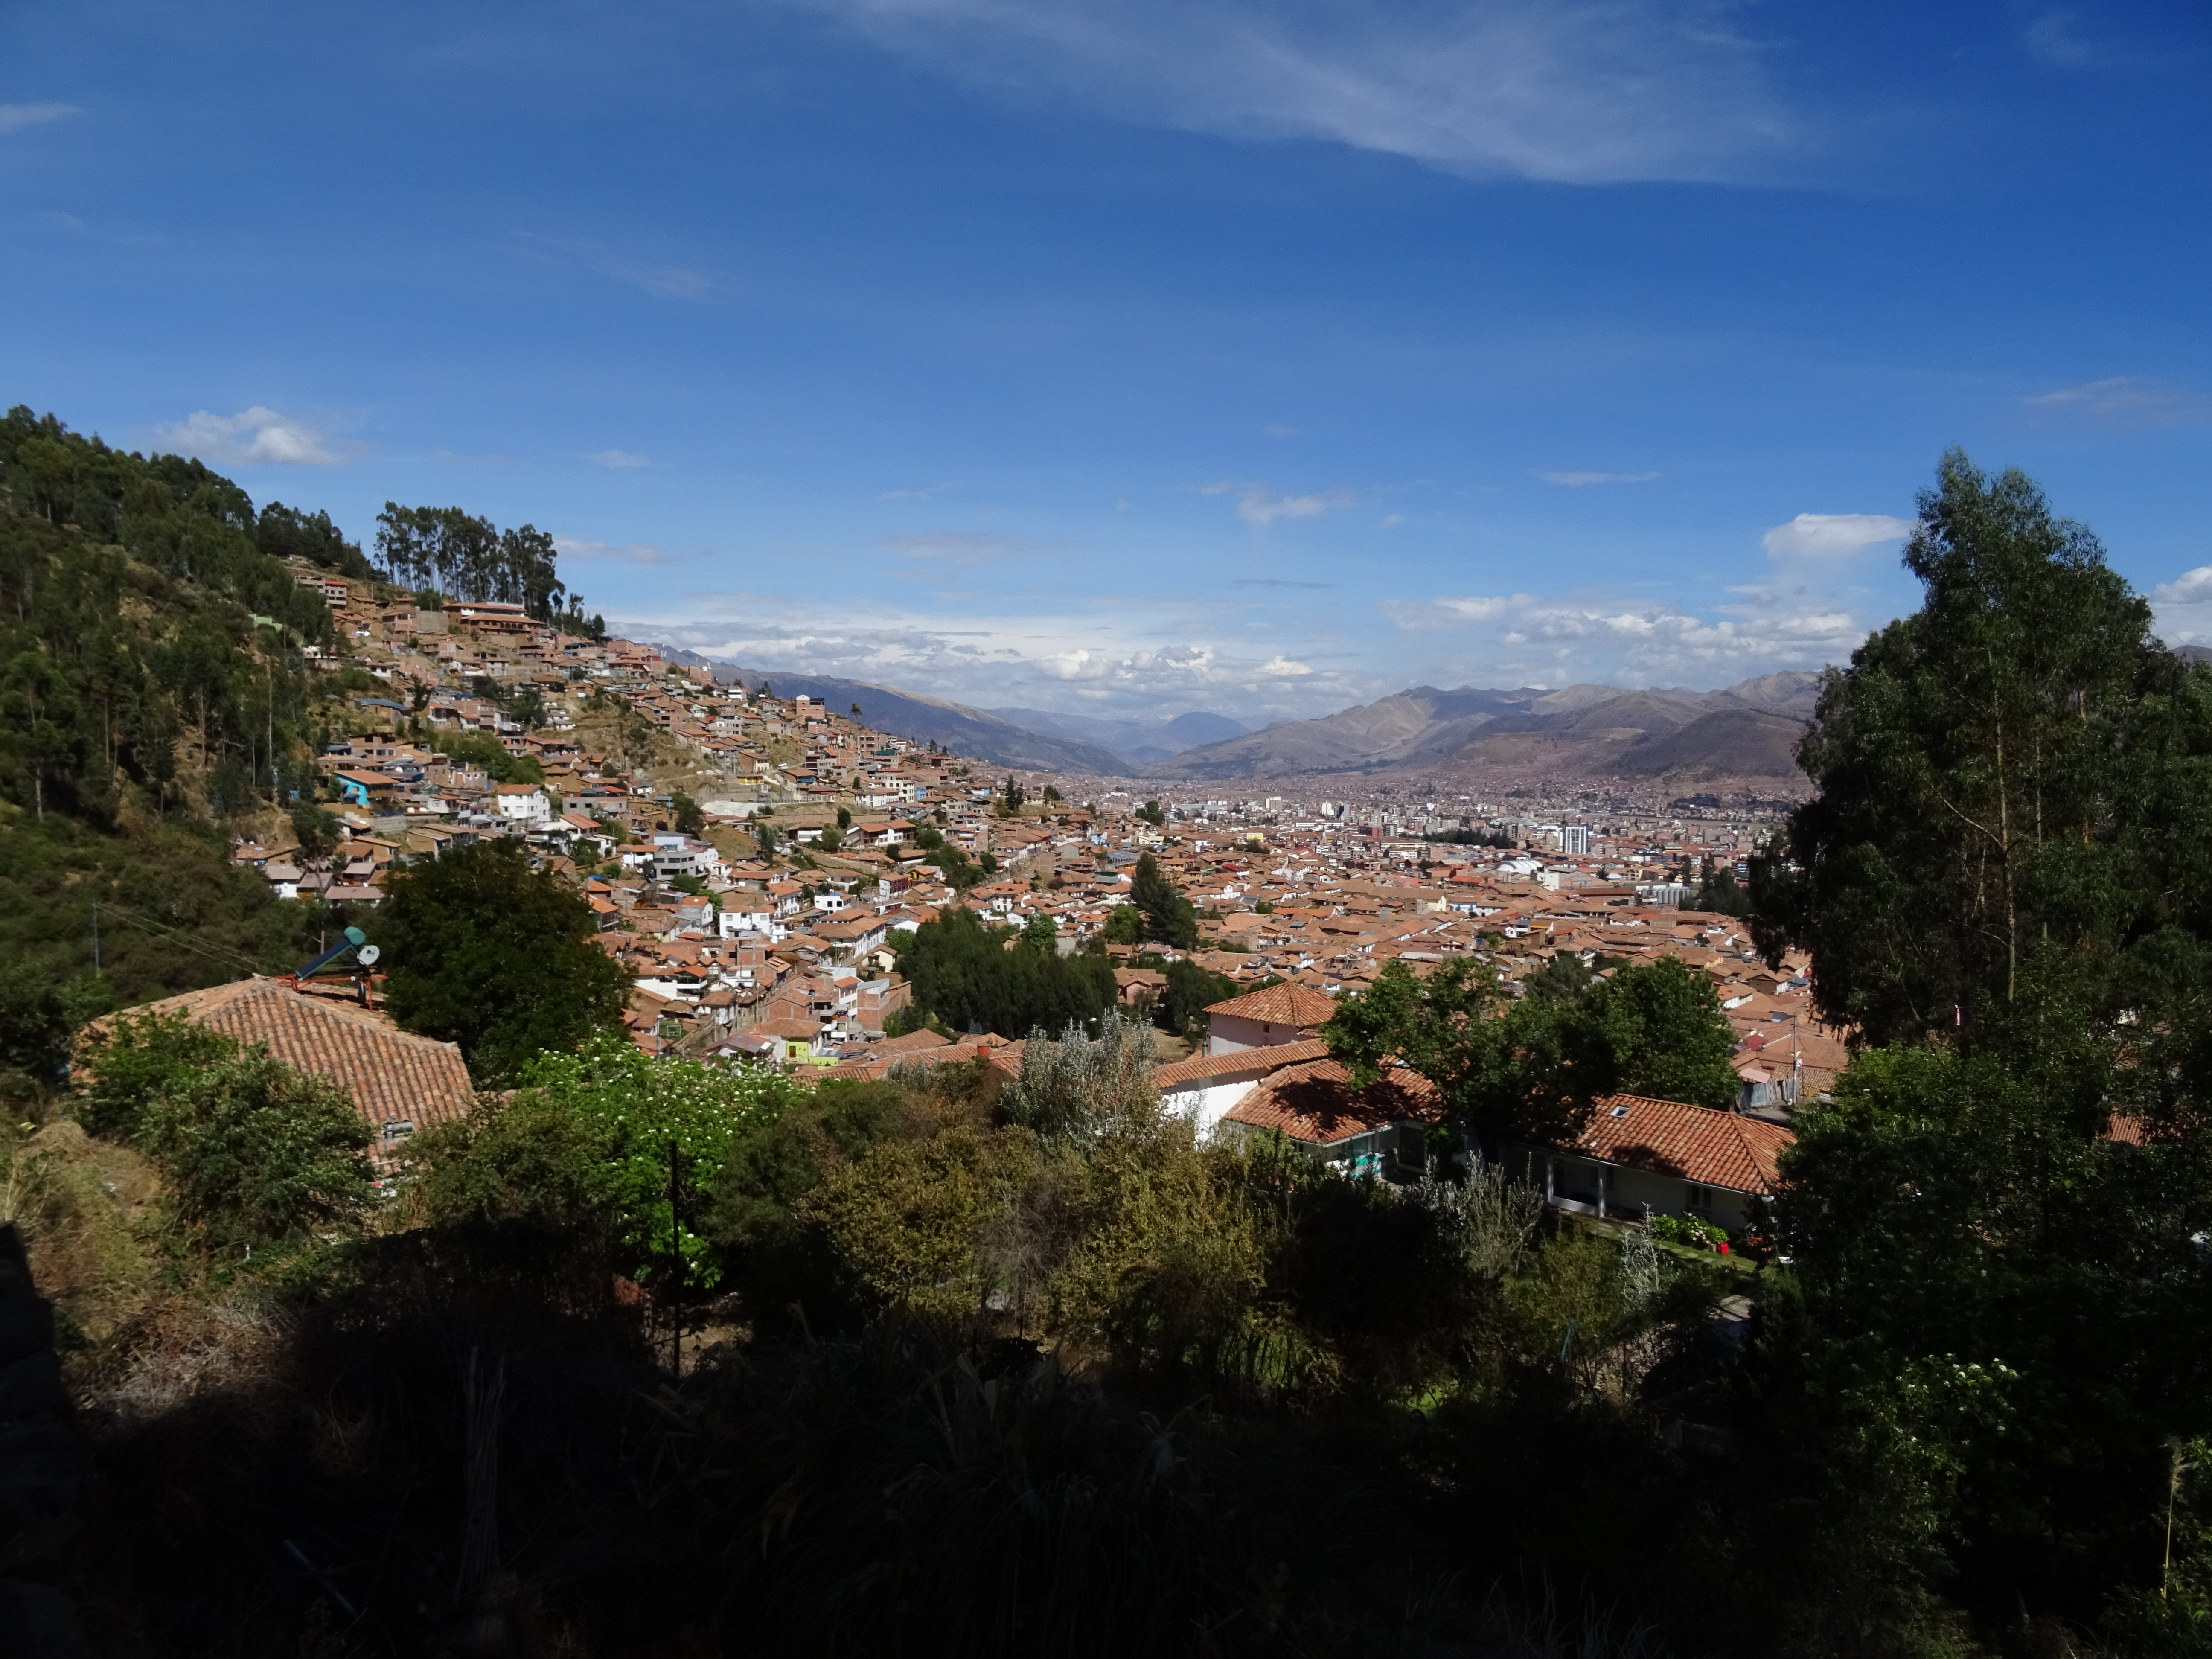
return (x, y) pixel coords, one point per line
(2124, 400)
(14, 118)
(620, 458)
(252, 436)
(913, 494)
(2191, 587)
(1829, 535)
(2184, 607)
(1584, 480)
(1130, 653)
(1598, 91)
(1453, 611)
(1663, 639)
(1257, 506)
(626, 552)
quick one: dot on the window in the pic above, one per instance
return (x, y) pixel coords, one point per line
(1698, 1200)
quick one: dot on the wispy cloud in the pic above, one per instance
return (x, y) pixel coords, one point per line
(620, 460)
(1830, 535)
(570, 547)
(962, 547)
(252, 436)
(1277, 582)
(14, 117)
(1659, 638)
(1599, 91)
(929, 494)
(1453, 611)
(1257, 505)
(1584, 480)
(2053, 38)
(2124, 400)
(662, 281)
(1132, 654)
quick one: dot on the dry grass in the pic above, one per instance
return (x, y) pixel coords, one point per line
(87, 1210)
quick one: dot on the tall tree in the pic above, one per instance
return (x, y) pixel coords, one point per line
(1167, 915)
(1984, 766)
(485, 951)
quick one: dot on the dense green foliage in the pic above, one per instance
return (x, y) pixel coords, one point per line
(142, 709)
(485, 951)
(1191, 990)
(2004, 881)
(607, 1137)
(1531, 1069)
(1717, 891)
(254, 1153)
(128, 656)
(2013, 775)
(1167, 914)
(964, 974)
(490, 756)
(461, 557)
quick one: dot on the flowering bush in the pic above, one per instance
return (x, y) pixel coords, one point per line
(1689, 1231)
(634, 1106)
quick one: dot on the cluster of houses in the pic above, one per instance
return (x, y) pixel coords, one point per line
(789, 958)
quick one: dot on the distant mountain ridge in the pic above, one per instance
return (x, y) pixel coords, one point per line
(921, 719)
(1749, 730)
(1142, 742)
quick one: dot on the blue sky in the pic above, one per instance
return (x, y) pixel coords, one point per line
(1128, 356)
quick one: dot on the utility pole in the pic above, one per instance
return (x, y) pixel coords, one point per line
(676, 1257)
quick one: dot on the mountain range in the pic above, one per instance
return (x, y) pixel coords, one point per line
(919, 718)
(1746, 731)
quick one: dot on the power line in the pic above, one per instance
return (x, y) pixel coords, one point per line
(177, 936)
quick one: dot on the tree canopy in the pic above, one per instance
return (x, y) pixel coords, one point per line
(2003, 778)
(963, 974)
(485, 951)
(466, 557)
(1167, 914)
(1532, 1068)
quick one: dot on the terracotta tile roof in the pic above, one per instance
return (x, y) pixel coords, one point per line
(1712, 1148)
(1200, 1067)
(1288, 1004)
(390, 1074)
(1315, 1104)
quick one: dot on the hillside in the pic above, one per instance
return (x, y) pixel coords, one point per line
(921, 719)
(153, 702)
(1746, 729)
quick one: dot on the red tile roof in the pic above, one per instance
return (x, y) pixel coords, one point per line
(1315, 1102)
(1712, 1148)
(1286, 1004)
(390, 1075)
(1199, 1067)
